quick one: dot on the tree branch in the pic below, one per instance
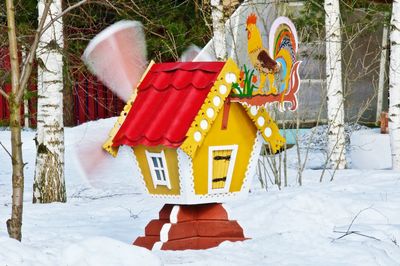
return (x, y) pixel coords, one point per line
(27, 66)
(9, 154)
(26, 71)
(4, 94)
(48, 25)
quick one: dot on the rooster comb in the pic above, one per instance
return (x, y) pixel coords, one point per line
(251, 19)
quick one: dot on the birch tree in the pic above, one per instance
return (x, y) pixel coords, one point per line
(49, 184)
(394, 85)
(20, 73)
(335, 100)
(219, 16)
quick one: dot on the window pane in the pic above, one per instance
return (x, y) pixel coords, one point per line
(160, 163)
(158, 175)
(154, 161)
(163, 175)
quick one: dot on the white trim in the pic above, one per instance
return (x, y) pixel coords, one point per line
(252, 165)
(200, 199)
(231, 166)
(161, 169)
(186, 177)
(173, 217)
(165, 232)
(157, 245)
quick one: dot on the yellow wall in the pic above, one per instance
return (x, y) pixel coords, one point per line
(240, 131)
(172, 163)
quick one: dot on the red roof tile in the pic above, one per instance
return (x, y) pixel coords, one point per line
(168, 100)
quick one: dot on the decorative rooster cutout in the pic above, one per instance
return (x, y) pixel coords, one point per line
(278, 66)
(259, 56)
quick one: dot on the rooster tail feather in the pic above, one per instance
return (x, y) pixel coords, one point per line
(294, 86)
(283, 35)
(283, 47)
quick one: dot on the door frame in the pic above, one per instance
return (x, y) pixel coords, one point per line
(231, 167)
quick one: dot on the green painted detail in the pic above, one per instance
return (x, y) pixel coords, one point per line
(246, 84)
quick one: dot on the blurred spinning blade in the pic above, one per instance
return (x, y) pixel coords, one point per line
(190, 53)
(117, 56)
(90, 160)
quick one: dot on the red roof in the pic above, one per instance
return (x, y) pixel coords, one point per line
(167, 102)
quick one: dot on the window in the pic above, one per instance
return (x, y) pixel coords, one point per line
(158, 169)
(221, 163)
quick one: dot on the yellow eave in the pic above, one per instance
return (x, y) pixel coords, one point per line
(267, 127)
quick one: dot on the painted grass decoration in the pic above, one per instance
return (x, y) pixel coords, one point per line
(246, 86)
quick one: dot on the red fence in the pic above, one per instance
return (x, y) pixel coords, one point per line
(91, 99)
(5, 67)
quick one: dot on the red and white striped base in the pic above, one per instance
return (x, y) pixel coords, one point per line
(182, 227)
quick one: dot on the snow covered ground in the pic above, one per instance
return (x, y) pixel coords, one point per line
(293, 226)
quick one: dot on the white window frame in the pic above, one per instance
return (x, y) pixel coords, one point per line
(231, 167)
(153, 168)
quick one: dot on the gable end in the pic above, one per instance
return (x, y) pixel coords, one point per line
(210, 108)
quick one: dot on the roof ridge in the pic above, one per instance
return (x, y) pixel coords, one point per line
(185, 66)
(187, 70)
(150, 140)
(175, 87)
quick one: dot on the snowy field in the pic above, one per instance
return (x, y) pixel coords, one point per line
(293, 226)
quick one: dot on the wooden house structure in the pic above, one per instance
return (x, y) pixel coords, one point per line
(191, 143)
(194, 148)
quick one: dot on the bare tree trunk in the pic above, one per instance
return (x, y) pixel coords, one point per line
(218, 20)
(49, 183)
(336, 135)
(14, 224)
(394, 85)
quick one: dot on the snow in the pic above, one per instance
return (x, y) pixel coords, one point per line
(369, 144)
(107, 210)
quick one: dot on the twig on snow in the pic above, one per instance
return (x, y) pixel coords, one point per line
(352, 232)
(349, 232)
(131, 214)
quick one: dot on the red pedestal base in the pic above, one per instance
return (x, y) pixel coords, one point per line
(182, 227)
